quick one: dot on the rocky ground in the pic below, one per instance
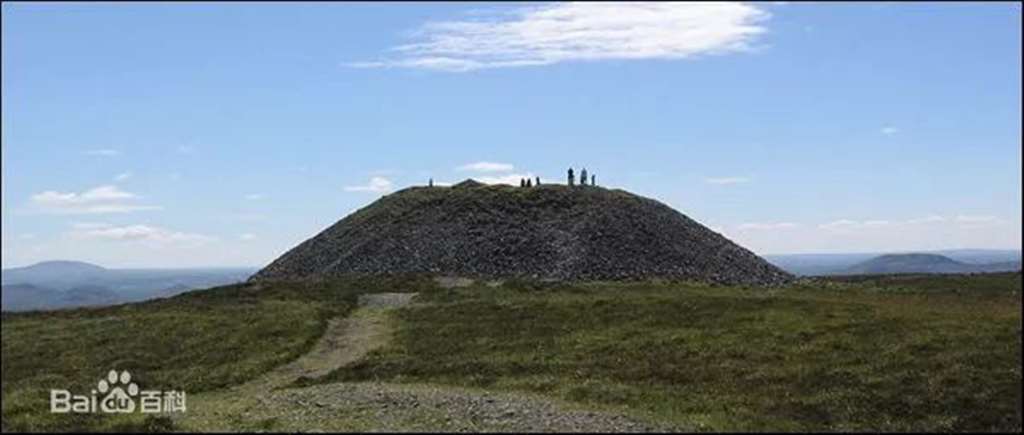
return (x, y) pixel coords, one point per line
(546, 232)
(271, 404)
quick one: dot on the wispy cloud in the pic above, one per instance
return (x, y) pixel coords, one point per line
(254, 196)
(965, 221)
(186, 149)
(726, 180)
(102, 199)
(486, 167)
(766, 226)
(123, 176)
(889, 130)
(102, 231)
(839, 224)
(875, 223)
(376, 184)
(974, 219)
(926, 219)
(247, 237)
(850, 224)
(103, 152)
(562, 32)
(510, 179)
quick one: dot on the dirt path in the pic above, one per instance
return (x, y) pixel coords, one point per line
(263, 404)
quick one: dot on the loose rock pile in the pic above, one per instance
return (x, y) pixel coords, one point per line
(546, 232)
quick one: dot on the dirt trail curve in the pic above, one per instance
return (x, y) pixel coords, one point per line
(262, 404)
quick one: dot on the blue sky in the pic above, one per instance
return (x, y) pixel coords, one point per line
(191, 134)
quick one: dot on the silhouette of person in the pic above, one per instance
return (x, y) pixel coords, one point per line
(583, 177)
(572, 179)
(537, 183)
(593, 180)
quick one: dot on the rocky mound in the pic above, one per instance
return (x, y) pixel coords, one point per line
(549, 232)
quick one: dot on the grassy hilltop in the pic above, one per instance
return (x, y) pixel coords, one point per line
(940, 353)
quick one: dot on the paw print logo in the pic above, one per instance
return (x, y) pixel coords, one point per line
(120, 392)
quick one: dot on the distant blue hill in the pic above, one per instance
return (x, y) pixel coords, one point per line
(923, 263)
(833, 264)
(64, 284)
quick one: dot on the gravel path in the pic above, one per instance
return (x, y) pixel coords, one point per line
(265, 405)
(385, 300)
(392, 408)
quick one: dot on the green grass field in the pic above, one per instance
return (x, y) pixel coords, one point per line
(868, 354)
(727, 358)
(194, 342)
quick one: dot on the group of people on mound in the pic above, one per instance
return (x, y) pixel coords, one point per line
(526, 182)
(583, 178)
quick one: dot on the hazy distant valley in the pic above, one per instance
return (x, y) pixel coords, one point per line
(944, 261)
(67, 284)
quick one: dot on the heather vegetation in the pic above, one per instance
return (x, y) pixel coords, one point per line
(936, 353)
(727, 358)
(194, 342)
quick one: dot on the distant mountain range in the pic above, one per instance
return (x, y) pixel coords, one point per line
(946, 261)
(66, 284)
(924, 263)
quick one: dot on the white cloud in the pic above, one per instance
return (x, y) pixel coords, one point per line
(849, 224)
(103, 152)
(486, 167)
(100, 231)
(726, 180)
(254, 196)
(247, 237)
(976, 219)
(123, 176)
(766, 226)
(928, 232)
(102, 199)
(889, 130)
(561, 32)
(510, 179)
(27, 236)
(376, 184)
(966, 221)
(839, 224)
(926, 219)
